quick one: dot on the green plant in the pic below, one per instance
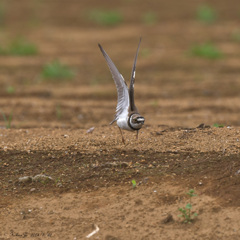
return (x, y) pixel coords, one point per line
(10, 89)
(58, 112)
(56, 70)
(105, 17)
(186, 212)
(154, 103)
(145, 52)
(218, 125)
(8, 120)
(206, 50)
(236, 36)
(2, 13)
(19, 47)
(134, 184)
(149, 18)
(58, 182)
(206, 14)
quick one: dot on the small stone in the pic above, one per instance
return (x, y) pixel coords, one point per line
(59, 185)
(203, 126)
(110, 237)
(145, 180)
(168, 219)
(80, 116)
(237, 172)
(114, 165)
(32, 189)
(90, 130)
(138, 202)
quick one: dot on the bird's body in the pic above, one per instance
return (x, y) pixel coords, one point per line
(122, 121)
(127, 116)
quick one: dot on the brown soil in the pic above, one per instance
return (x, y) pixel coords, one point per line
(91, 173)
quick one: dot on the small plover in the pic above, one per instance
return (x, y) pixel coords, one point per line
(127, 115)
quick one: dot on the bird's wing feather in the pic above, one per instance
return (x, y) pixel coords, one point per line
(131, 87)
(122, 89)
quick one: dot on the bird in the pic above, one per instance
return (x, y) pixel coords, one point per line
(127, 115)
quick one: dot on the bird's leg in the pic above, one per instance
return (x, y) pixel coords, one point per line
(122, 135)
(137, 135)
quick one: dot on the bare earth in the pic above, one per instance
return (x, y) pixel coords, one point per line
(86, 178)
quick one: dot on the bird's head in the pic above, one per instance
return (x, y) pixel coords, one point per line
(136, 121)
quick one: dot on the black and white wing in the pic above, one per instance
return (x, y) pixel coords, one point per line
(122, 89)
(131, 87)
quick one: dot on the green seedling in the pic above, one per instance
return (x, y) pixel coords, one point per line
(145, 52)
(206, 14)
(186, 212)
(58, 182)
(236, 36)
(105, 17)
(56, 70)
(218, 125)
(206, 50)
(58, 112)
(19, 47)
(149, 18)
(8, 120)
(10, 89)
(2, 14)
(134, 184)
(154, 103)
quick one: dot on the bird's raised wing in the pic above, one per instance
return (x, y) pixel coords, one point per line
(131, 87)
(122, 89)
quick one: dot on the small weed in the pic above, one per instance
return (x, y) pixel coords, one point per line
(154, 103)
(96, 80)
(10, 89)
(58, 182)
(206, 14)
(58, 112)
(149, 18)
(8, 120)
(218, 125)
(56, 70)
(206, 50)
(105, 18)
(236, 36)
(19, 47)
(186, 212)
(134, 184)
(145, 52)
(2, 14)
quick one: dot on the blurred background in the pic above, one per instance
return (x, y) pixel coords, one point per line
(52, 73)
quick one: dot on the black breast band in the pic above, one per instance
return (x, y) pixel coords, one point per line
(129, 123)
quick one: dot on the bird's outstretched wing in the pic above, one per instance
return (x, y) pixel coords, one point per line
(122, 89)
(131, 87)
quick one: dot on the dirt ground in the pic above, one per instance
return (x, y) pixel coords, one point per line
(58, 181)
